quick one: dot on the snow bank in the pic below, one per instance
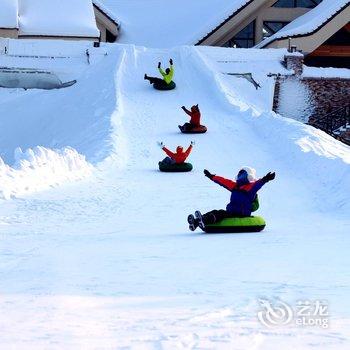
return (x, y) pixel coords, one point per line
(41, 168)
(79, 116)
(9, 14)
(57, 18)
(314, 72)
(182, 22)
(309, 22)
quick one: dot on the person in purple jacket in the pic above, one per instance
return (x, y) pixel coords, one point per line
(243, 192)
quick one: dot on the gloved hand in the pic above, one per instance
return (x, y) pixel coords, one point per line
(208, 174)
(159, 64)
(183, 107)
(171, 61)
(192, 143)
(269, 176)
(160, 144)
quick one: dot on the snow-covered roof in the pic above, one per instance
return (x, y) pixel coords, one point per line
(309, 22)
(181, 21)
(9, 14)
(73, 18)
(102, 7)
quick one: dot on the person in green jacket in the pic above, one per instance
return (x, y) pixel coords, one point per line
(167, 75)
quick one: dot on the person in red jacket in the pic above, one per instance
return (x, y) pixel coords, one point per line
(195, 115)
(179, 157)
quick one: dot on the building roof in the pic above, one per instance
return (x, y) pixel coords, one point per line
(182, 22)
(106, 11)
(9, 14)
(310, 22)
(57, 18)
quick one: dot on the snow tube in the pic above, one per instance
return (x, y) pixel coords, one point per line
(175, 168)
(235, 225)
(196, 130)
(164, 86)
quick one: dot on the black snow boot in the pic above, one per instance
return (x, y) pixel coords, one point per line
(199, 218)
(193, 223)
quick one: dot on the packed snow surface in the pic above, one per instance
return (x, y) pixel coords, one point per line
(57, 18)
(309, 22)
(182, 22)
(313, 72)
(9, 14)
(109, 262)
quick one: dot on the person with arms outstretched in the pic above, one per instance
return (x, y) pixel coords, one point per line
(243, 192)
(167, 75)
(178, 157)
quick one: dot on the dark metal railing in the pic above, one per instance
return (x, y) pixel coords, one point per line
(333, 121)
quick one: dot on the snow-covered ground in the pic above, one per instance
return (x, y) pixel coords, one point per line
(108, 262)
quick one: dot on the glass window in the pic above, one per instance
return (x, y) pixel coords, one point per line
(340, 38)
(245, 38)
(272, 27)
(110, 37)
(297, 3)
(284, 3)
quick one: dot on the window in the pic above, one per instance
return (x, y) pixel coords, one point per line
(245, 38)
(110, 37)
(297, 3)
(340, 38)
(272, 27)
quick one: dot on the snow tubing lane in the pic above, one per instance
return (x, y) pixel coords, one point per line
(197, 130)
(236, 225)
(164, 86)
(175, 168)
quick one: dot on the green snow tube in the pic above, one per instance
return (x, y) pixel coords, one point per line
(235, 225)
(164, 86)
(175, 168)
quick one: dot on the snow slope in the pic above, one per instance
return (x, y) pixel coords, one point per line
(182, 23)
(77, 117)
(110, 264)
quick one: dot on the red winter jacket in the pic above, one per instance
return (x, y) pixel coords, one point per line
(180, 156)
(195, 116)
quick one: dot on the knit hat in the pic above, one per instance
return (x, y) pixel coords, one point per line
(251, 173)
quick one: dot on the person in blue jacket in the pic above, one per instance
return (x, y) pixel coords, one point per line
(243, 192)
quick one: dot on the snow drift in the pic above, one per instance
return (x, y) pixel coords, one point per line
(39, 169)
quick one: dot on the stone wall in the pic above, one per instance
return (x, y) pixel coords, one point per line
(310, 97)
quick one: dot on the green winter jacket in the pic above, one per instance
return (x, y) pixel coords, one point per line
(167, 77)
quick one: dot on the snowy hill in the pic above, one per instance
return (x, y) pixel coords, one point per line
(108, 262)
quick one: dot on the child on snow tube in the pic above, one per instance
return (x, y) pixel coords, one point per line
(195, 122)
(243, 192)
(179, 157)
(167, 81)
(195, 115)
